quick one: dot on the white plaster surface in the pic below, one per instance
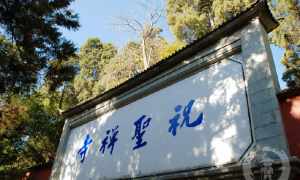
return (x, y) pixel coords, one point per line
(224, 135)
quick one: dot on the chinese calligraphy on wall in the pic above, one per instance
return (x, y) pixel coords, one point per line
(181, 119)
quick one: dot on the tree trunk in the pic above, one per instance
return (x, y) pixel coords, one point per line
(211, 21)
(61, 99)
(145, 59)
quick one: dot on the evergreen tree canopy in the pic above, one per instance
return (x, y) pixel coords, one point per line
(124, 65)
(129, 60)
(29, 131)
(33, 59)
(191, 19)
(92, 58)
(31, 40)
(287, 36)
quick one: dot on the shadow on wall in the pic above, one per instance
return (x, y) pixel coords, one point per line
(218, 144)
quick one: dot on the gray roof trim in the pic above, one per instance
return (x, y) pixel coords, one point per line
(259, 9)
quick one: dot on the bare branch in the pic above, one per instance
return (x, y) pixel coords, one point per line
(145, 28)
(129, 23)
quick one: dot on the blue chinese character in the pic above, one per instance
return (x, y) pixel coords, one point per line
(186, 118)
(174, 121)
(104, 142)
(82, 151)
(140, 127)
(112, 140)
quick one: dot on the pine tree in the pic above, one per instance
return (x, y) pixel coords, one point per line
(92, 58)
(32, 28)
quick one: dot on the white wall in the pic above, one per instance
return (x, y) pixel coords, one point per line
(222, 138)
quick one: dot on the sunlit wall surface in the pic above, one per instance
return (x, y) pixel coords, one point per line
(224, 134)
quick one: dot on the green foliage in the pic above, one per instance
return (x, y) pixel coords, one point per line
(92, 58)
(29, 132)
(129, 61)
(33, 53)
(287, 36)
(124, 65)
(150, 44)
(291, 60)
(224, 10)
(170, 48)
(192, 19)
(30, 126)
(10, 67)
(32, 27)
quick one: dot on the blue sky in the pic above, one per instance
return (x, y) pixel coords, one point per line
(98, 18)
